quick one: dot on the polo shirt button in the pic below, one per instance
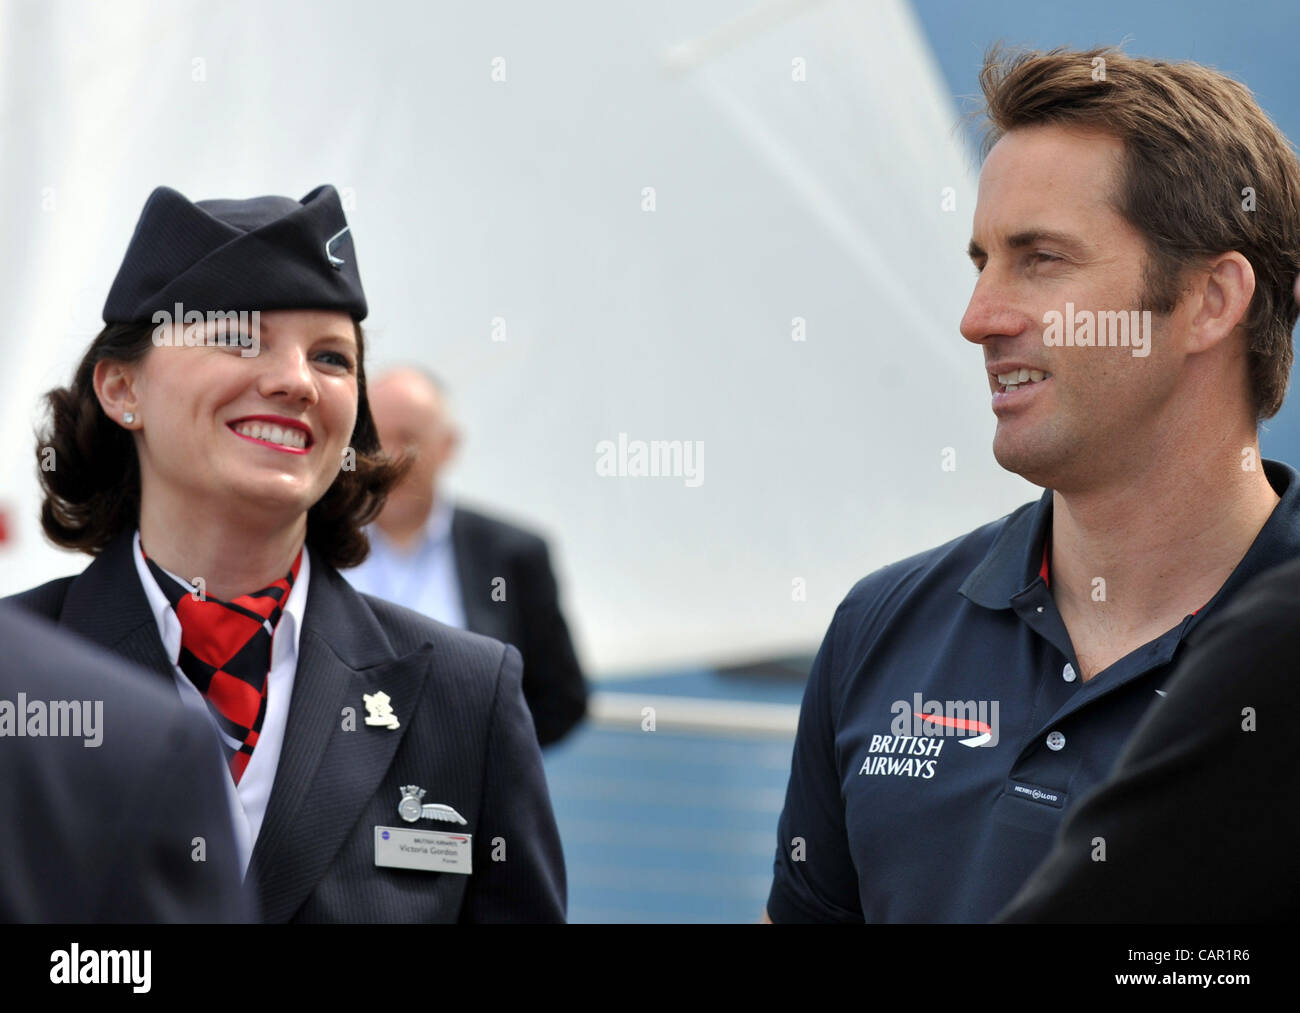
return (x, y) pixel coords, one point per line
(1067, 673)
(1039, 610)
(1055, 741)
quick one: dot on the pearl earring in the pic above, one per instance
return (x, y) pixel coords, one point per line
(128, 418)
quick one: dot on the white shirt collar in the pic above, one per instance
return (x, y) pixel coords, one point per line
(440, 519)
(249, 800)
(288, 631)
(437, 529)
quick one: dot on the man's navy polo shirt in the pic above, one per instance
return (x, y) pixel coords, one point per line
(944, 729)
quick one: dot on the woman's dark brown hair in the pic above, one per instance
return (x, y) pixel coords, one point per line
(92, 480)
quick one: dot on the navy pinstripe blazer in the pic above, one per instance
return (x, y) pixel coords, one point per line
(465, 736)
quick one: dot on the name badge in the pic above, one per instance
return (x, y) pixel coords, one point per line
(425, 850)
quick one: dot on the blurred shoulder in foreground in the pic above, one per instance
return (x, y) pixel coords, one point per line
(1200, 820)
(112, 807)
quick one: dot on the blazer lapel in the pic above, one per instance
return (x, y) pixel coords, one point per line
(328, 773)
(106, 605)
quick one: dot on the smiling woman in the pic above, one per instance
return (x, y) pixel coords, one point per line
(94, 491)
(221, 478)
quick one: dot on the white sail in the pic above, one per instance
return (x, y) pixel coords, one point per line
(735, 225)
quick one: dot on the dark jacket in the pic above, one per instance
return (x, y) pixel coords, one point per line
(135, 828)
(528, 616)
(465, 736)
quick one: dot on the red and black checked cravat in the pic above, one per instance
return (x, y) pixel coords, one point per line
(226, 652)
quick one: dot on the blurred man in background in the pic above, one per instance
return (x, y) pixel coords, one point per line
(462, 567)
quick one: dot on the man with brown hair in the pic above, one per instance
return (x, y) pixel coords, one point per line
(1136, 235)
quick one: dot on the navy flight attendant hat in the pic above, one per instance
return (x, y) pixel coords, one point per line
(264, 253)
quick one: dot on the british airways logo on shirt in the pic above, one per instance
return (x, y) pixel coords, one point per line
(886, 755)
(919, 730)
(975, 720)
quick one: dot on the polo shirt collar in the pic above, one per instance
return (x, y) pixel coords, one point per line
(1012, 566)
(1015, 558)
